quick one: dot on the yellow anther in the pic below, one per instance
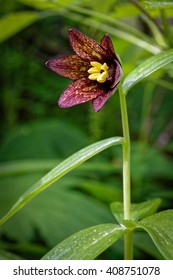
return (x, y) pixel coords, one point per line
(93, 70)
(104, 67)
(102, 77)
(98, 72)
(96, 64)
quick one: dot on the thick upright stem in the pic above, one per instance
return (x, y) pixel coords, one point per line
(126, 156)
(128, 242)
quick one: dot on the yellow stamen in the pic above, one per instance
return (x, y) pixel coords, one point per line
(98, 72)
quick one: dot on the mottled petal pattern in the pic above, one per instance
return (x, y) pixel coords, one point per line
(85, 47)
(71, 67)
(78, 92)
(116, 75)
(95, 70)
(100, 100)
(106, 43)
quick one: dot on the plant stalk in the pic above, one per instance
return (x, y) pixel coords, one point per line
(128, 238)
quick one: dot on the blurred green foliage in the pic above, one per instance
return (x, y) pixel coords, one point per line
(36, 134)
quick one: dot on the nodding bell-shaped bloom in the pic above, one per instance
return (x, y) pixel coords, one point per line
(95, 70)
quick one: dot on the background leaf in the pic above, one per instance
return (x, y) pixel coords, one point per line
(46, 220)
(8, 256)
(78, 12)
(14, 22)
(45, 139)
(60, 170)
(158, 5)
(28, 94)
(56, 214)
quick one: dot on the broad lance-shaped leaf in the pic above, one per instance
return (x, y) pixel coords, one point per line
(160, 228)
(86, 244)
(138, 210)
(147, 68)
(60, 170)
(15, 22)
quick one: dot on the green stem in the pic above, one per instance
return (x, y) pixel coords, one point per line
(128, 240)
(126, 155)
(128, 245)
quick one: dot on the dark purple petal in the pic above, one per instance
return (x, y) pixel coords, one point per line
(116, 75)
(100, 100)
(80, 91)
(85, 47)
(106, 43)
(71, 67)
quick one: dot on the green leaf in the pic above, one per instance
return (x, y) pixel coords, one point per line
(86, 244)
(160, 228)
(39, 4)
(14, 22)
(46, 4)
(158, 5)
(138, 210)
(56, 207)
(5, 255)
(42, 139)
(18, 167)
(97, 18)
(147, 68)
(144, 243)
(104, 191)
(60, 170)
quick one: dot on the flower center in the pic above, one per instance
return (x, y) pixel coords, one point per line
(98, 72)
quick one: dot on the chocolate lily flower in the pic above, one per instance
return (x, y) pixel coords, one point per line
(95, 71)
